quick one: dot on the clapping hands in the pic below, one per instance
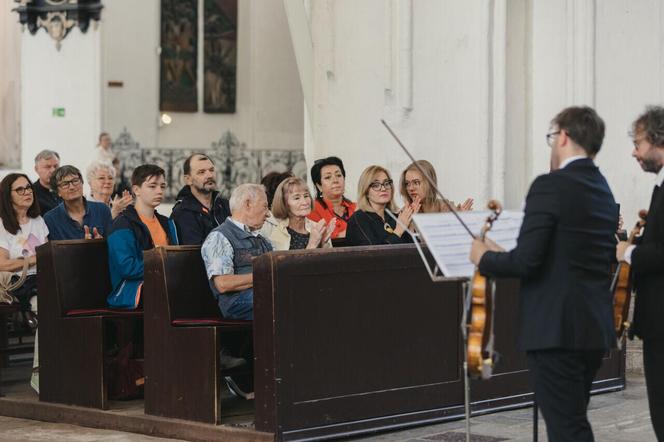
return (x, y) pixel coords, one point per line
(94, 235)
(120, 203)
(406, 215)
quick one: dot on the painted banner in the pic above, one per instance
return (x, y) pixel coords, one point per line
(179, 36)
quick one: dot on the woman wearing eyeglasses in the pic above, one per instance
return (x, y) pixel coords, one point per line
(370, 224)
(21, 231)
(414, 187)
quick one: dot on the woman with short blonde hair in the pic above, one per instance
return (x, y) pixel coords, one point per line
(101, 179)
(370, 225)
(289, 228)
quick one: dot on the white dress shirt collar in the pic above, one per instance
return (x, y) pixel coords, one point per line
(570, 159)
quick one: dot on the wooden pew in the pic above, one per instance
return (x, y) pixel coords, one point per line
(360, 339)
(73, 283)
(184, 332)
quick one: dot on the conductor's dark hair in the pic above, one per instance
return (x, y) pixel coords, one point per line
(143, 173)
(651, 122)
(583, 126)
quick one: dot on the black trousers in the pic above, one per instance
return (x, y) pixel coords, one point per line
(561, 381)
(653, 366)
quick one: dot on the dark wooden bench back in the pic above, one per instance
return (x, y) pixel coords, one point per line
(187, 292)
(79, 272)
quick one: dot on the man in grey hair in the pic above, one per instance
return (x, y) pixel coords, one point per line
(46, 162)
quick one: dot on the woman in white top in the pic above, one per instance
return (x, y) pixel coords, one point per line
(21, 231)
(101, 179)
(289, 228)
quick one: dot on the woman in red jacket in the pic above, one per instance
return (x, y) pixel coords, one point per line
(329, 176)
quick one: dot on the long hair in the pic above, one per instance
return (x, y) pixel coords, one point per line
(368, 176)
(7, 213)
(430, 203)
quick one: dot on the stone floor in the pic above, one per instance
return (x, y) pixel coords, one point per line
(615, 417)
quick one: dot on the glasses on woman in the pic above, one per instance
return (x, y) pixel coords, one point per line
(73, 182)
(23, 190)
(413, 183)
(385, 185)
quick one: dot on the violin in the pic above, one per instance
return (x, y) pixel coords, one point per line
(621, 286)
(481, 356)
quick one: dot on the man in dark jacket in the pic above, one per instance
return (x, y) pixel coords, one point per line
(563, 257)
(647, 262)
(46, 162)
(199, 207)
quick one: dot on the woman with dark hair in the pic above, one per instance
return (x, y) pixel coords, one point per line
(21, 231)
(329, 177)
(271, 181)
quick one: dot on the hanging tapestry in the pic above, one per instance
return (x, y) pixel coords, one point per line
(220, 55)
(179, 37)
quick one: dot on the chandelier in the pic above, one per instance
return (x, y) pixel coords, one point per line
(58, 17)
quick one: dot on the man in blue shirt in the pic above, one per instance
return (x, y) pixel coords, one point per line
(75, 217)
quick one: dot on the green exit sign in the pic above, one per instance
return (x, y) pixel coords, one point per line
(58, 111)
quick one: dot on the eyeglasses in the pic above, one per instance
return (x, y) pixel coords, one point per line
(23, 190)
(414, 183)
(73, 182)
(549, 137)
(385, 185)
(637, 142)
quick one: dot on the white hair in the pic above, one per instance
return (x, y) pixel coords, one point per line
(96, 166)
(46, 155)
(244, 193)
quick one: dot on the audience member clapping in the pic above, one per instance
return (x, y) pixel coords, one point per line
(371, 225)
(329, 177)
(75, 217)
(289, 228)
(101, 179)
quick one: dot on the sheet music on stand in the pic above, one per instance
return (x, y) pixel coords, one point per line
(449, 243)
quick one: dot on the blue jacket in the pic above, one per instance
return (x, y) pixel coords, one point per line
(127, 238)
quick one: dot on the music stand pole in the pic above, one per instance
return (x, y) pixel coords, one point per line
(466, 379)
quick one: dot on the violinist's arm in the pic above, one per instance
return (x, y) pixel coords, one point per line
(648, 258)
(539, 222)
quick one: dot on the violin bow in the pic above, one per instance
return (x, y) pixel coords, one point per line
(428, 178)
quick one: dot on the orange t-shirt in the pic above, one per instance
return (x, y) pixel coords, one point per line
(157, 233)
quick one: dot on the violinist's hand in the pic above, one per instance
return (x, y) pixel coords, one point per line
(621, 247)
(621, 222)
(491, 245)
(477, 251)
(466, 205)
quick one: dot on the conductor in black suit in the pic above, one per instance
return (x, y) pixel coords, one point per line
(647, 263)
(563, 257)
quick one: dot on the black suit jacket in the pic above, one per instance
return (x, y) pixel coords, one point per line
(563, 257)
(648, 272)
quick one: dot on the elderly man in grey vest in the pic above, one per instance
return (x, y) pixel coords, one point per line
(230, 247)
